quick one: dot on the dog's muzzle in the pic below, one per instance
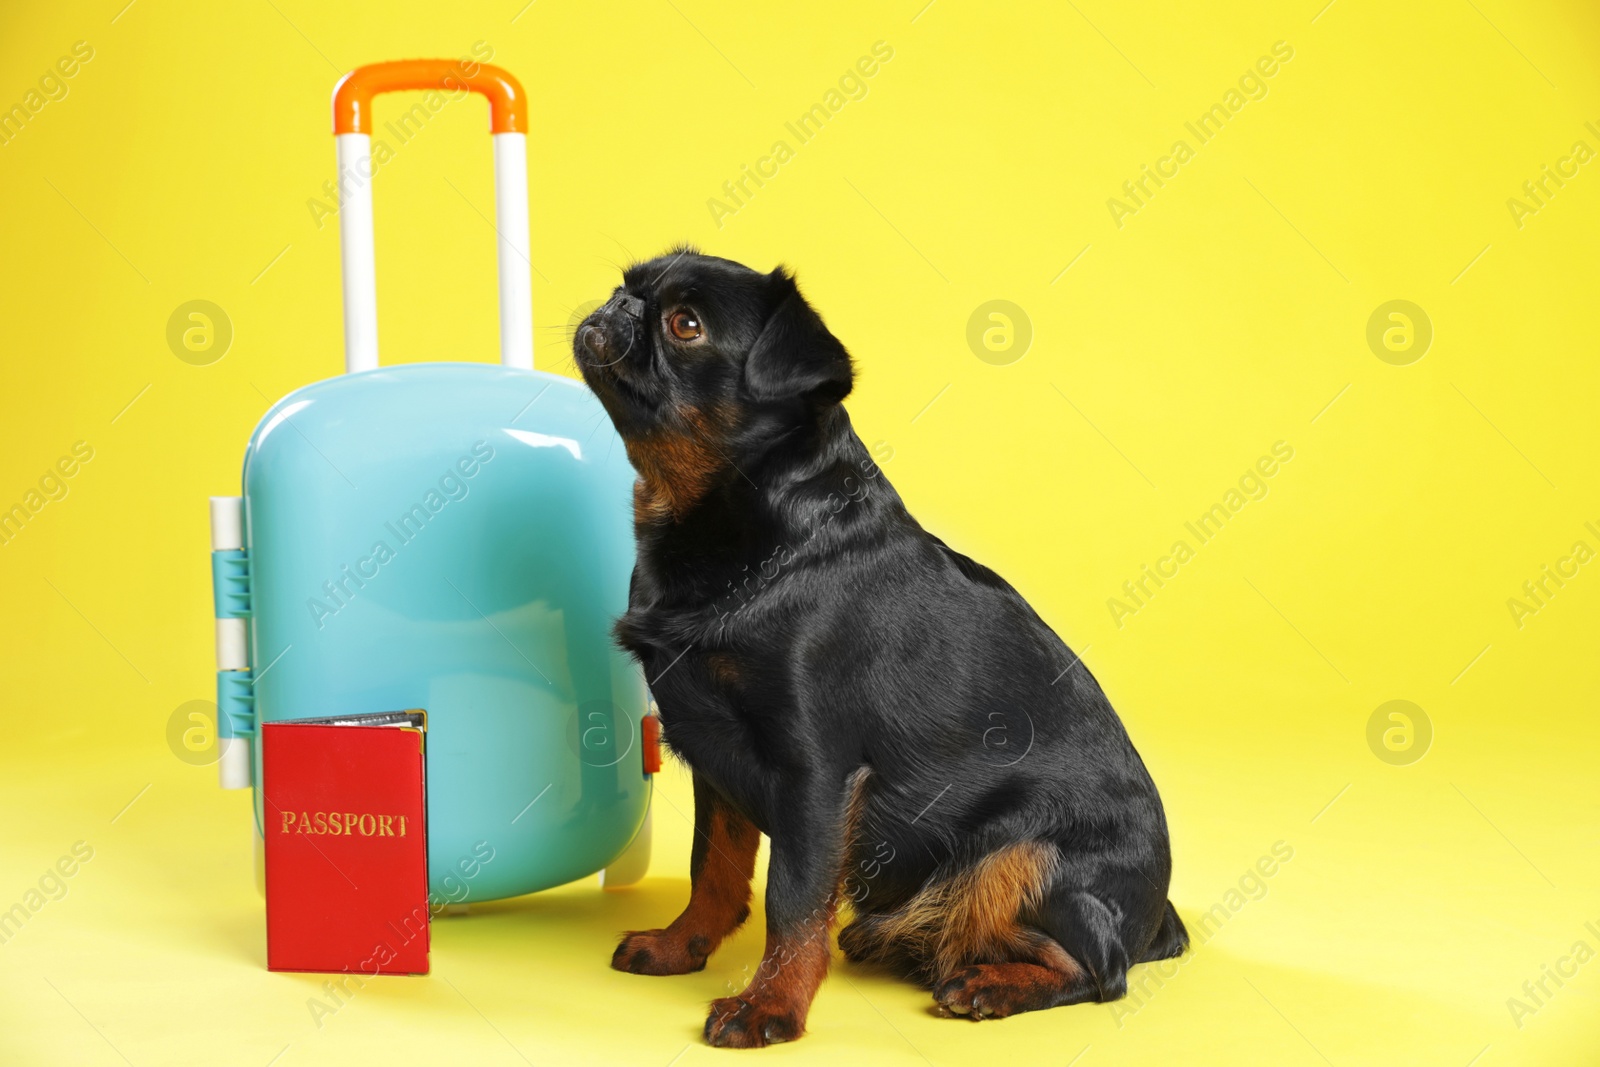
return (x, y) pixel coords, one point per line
(610, 332)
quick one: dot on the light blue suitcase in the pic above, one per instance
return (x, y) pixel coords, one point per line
(453, 537)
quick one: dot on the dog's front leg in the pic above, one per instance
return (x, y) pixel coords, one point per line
(808, 842)
(721, 864)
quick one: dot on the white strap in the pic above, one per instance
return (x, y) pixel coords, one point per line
(511, 223)
(358, 261)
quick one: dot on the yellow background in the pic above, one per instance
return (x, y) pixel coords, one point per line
(1229, 313)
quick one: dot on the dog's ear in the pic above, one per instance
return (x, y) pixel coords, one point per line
(795, 356)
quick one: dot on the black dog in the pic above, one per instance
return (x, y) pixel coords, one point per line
(909, 734)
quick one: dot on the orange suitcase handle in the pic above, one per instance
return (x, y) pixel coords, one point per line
(352, 100)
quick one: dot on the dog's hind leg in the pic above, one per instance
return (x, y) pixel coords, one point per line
(875, 941)
(1091, 932)
(1171, 938)
(995, 990)
(1023, 934)
(721, 864)
(1075, 955)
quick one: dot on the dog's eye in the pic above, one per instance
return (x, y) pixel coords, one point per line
(685, 325)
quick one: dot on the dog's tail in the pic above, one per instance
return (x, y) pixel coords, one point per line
(1171, 938)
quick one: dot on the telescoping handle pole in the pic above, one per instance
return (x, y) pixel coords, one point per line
(352, 127)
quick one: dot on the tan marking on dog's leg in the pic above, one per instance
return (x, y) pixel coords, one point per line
(721, 865)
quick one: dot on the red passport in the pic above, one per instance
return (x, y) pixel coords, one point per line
(344, 820)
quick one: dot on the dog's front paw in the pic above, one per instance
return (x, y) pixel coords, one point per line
(738, 1023)
(660, 952)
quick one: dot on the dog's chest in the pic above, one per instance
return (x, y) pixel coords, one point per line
(705, 692)
(690, 677)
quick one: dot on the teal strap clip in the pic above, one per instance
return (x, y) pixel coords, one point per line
(230, 582)
(236, 704)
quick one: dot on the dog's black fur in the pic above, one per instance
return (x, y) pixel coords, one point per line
(908, 732)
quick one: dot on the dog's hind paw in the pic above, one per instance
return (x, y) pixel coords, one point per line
(995, 990)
